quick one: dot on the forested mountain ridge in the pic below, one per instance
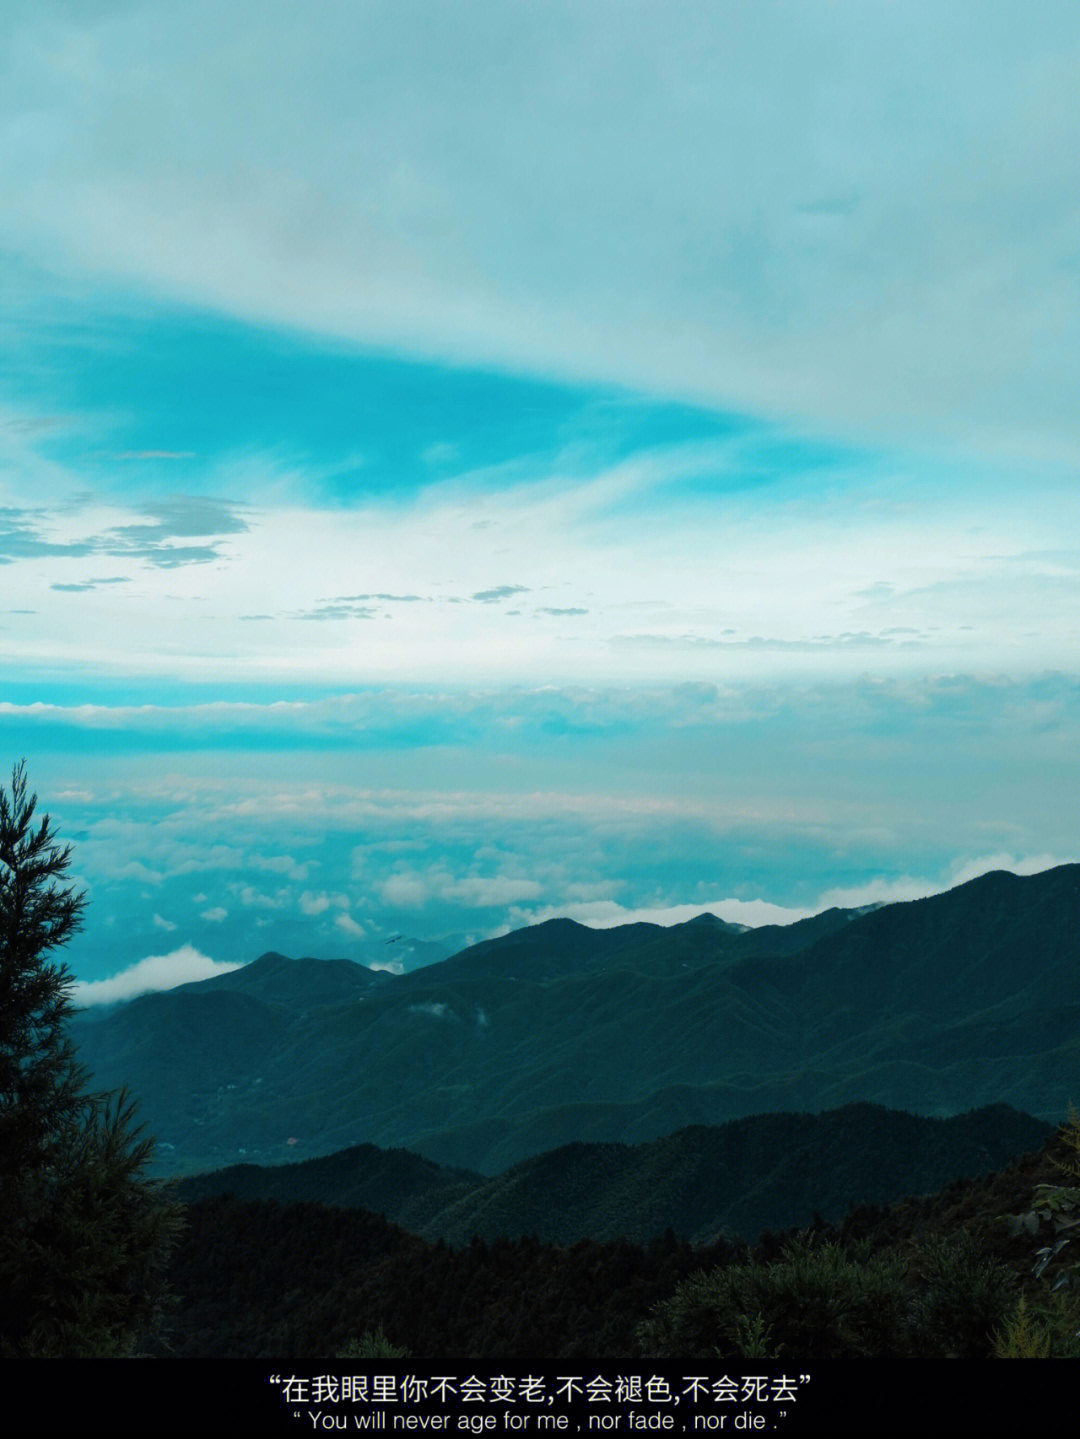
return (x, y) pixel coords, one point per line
(559, 1034)
(771, 1171)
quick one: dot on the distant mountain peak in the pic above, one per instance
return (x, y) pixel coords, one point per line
(708, 920)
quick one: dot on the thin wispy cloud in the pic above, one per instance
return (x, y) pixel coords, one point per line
(500, 592)
(155, 455)
(730, 586)
(25, 534)
(85, 586)
(859, 213)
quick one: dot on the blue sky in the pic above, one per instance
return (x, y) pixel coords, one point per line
(466, 463)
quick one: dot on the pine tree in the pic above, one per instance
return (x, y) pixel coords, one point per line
(85, 1237)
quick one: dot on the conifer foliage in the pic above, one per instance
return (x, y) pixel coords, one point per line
(85, 1237)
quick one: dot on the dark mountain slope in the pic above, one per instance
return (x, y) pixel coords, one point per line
(770, 1171)
(308, 982)
(999, 939)
(935, 1007)
(405, 1188)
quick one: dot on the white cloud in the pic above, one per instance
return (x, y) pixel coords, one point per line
(166, 924)
(215, 915)
(436, 1011)
(605, 914)
(481, 891)
(348, 925)
(130, 869)
(253, 898)
(1025, 864)
(404, 891)
(315, 904)
(411, 890)
(160, 971)
(281, 864)
(905, 887)
(394, 967)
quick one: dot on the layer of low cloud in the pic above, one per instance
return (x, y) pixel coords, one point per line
(157, 972)
(431, 811)
(904, 888)
(991, 712)
(606, 914)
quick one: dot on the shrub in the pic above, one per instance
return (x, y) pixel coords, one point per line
(816, 1300)
(373, 1344)
(966, 1297)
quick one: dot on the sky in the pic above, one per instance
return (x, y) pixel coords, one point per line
(467, 463)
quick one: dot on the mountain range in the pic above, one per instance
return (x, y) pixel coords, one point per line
(559, 1034)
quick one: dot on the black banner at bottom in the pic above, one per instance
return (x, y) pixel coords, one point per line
(538, 1400)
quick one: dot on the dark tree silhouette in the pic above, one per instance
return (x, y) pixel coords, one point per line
(40, 1083)
(85, 1237)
